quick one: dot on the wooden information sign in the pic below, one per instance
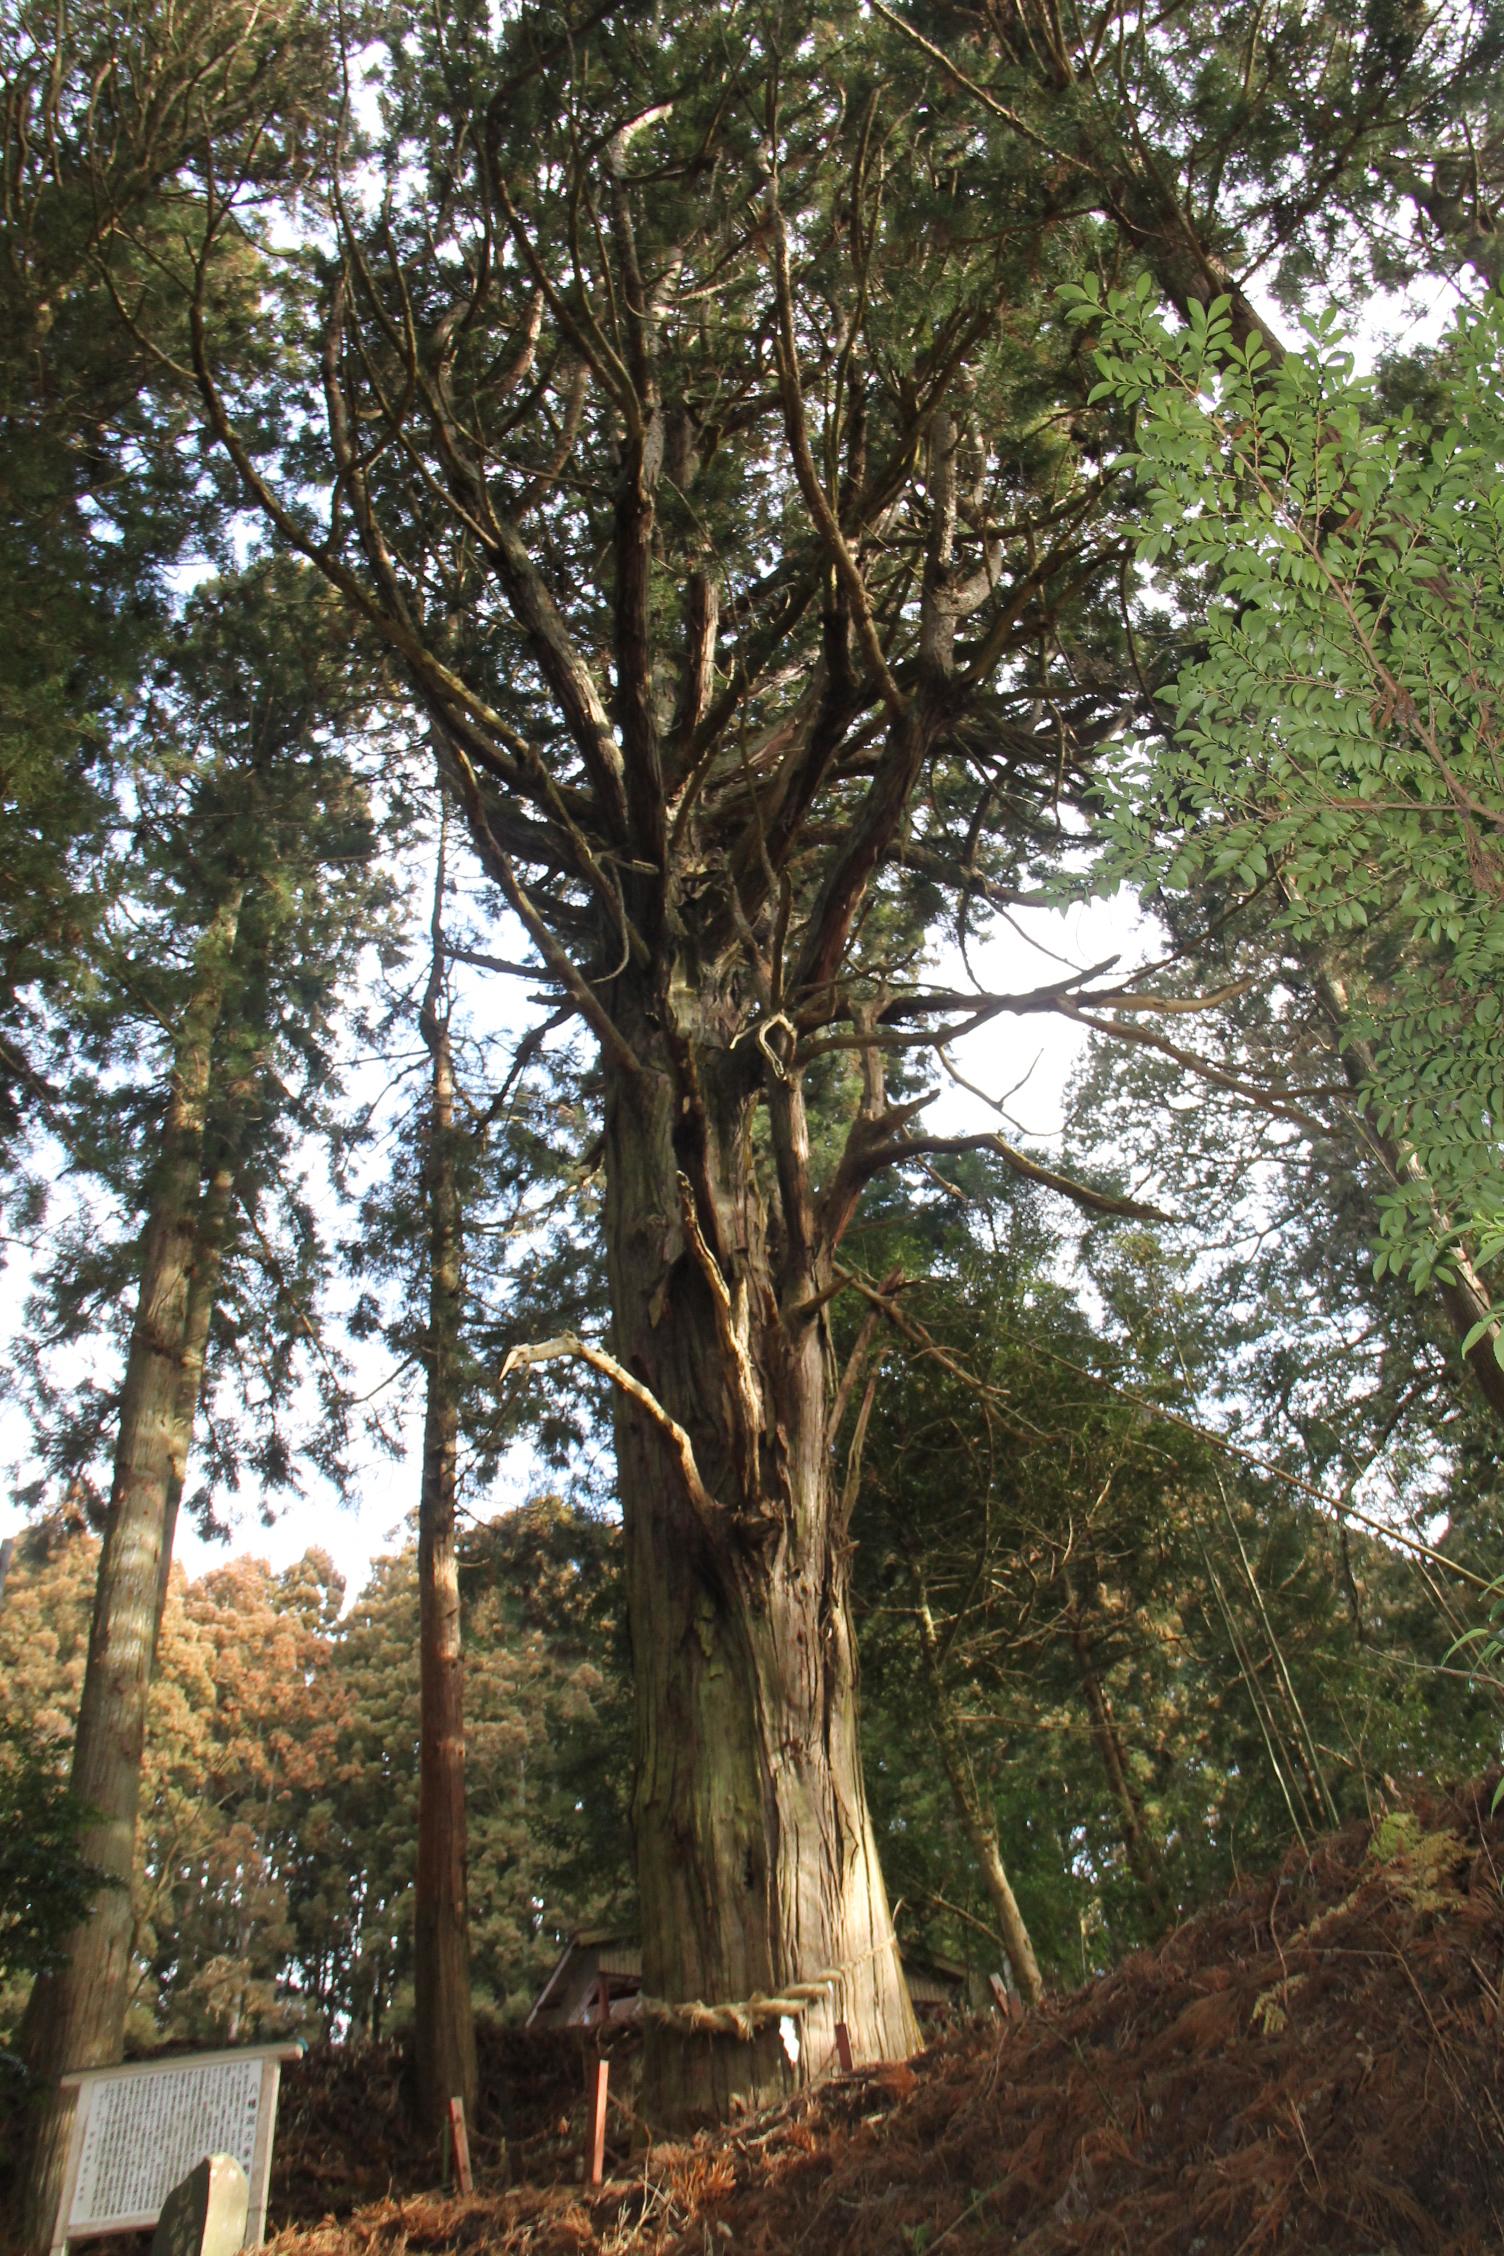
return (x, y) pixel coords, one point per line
(138, 2130)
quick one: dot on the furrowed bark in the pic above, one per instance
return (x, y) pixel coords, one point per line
(75, 2018)
(757, 1862)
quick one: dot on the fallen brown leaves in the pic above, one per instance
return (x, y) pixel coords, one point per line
(1317, 2065)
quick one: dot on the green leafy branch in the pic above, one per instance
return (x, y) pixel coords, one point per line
(1337, 742)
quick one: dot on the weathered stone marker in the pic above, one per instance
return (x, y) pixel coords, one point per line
(206, 2214)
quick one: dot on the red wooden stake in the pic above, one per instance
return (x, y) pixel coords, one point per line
(596, 2075)
(843, 2047)
(1000, 1997)
(460, 2139)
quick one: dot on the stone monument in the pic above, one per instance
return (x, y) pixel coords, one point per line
(205, 2215)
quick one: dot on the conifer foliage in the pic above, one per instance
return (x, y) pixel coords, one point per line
(251, 902)
(696, 431)
(680, 420)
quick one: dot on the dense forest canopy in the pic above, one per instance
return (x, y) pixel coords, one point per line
(1107, 1685)
(796, 493)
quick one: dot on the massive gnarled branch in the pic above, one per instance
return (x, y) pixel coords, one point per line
(878, 819)
(533, 607)
(1081, 1194)
(970, 1011)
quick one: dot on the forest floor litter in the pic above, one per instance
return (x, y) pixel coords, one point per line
(1316, 2064)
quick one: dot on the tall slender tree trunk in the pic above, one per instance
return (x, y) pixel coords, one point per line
(75, 2018)
(978, 1827)
(1109, 1745)
(756, 1857)
(444, 2027)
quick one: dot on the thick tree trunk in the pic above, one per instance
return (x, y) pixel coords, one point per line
(757, 1863)
(444, 2028)
(75, 2018)
(976, 1824)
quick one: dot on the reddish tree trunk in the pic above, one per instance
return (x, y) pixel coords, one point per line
(444, 2028)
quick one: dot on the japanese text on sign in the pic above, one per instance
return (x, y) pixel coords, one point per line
(145, 2133)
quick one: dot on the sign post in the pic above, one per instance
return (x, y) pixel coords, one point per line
(597, 2074)
(139, 2129)
(459, 2140)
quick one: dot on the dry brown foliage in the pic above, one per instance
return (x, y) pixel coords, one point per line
(1317, 2065)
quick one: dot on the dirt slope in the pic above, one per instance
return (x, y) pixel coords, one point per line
(1316, 2065)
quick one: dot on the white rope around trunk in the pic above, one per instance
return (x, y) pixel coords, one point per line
(747, 2017)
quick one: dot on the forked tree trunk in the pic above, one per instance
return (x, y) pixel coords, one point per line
(75, 2018)
(756, 1858)
(444, 2027)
